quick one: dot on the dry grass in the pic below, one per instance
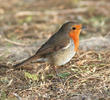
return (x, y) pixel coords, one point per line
(87, 76)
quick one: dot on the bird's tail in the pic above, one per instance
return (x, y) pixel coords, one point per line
(29, 60)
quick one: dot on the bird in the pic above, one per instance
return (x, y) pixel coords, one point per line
(60, 48)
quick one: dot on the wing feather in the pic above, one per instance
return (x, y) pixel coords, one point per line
(55, 43)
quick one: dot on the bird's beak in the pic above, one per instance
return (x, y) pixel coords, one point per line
(84, 27)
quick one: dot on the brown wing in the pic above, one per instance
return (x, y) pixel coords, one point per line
(55, 43)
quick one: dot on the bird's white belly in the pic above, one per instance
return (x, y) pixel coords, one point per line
(63, 56)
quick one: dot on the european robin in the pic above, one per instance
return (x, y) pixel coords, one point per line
(59, 48)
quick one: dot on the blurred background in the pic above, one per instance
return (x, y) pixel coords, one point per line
(31, 22)
(26, 24)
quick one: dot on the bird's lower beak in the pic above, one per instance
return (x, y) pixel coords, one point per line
(84, 27)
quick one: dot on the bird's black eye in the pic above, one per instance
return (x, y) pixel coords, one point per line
(73, 28)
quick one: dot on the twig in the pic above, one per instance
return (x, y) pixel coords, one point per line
(4, 66)
(86, 53)
(15, 43)
(17, 96)
(37, 13)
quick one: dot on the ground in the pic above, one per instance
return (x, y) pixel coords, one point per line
(26, 24)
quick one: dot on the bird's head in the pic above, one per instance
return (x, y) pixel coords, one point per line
(73, 31)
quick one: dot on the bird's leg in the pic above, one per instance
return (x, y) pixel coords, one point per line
(47, 67)
(55, 70)
(44, 71)
(78, 54)
(43, 74)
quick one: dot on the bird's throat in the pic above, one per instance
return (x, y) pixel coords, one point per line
(76, 43)
(75, 38)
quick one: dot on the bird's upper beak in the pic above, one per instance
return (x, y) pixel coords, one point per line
(84, 27)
